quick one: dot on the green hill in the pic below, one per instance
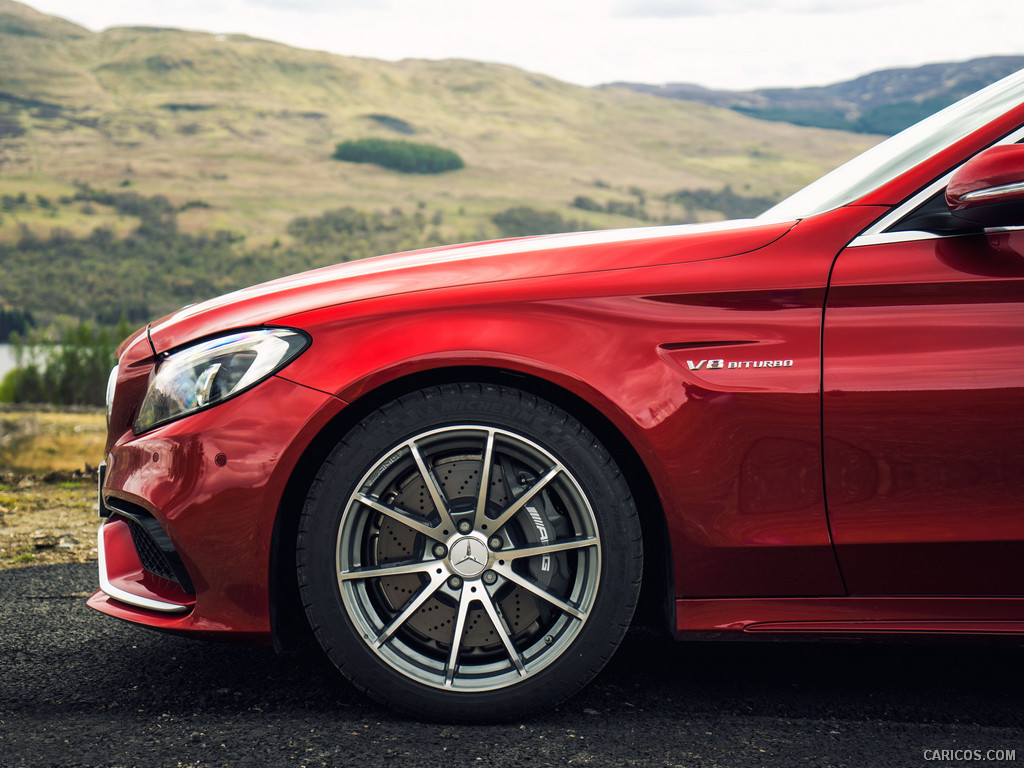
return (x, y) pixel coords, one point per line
(238, 134)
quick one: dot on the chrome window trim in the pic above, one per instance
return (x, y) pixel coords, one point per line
(127, 597)
(909, 236)
(876, 234)
(884, 238)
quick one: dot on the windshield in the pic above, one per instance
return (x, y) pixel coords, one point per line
(898, 154)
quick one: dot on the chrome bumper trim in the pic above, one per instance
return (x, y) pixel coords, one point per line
(127, 597)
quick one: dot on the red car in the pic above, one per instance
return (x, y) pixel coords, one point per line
(456, 467)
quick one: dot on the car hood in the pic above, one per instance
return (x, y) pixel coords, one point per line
(473, 263)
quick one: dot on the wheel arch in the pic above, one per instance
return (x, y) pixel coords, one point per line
(288, 621)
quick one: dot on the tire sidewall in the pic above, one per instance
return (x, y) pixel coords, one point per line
(478, 405)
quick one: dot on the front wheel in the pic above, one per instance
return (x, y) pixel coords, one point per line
(469, 552)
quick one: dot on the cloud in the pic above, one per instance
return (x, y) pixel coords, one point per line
(668, 9)
(318, 6)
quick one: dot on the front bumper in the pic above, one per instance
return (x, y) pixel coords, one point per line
(208, 488)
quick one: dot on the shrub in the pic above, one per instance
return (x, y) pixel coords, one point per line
(727, 202)
(404, 156)
(522, 220)
(396, 124)
(585, 203)
(617, 207)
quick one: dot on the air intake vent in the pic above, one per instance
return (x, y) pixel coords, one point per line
(153, 545)
(150, 556)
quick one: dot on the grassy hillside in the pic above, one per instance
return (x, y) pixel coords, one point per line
(249, 126)
(238, 134)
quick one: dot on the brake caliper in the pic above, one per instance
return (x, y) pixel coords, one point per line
(539, 524)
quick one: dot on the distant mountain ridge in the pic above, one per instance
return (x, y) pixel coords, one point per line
(884, 102)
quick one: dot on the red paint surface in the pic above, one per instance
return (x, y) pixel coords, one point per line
(784, 506)
(221, 519)
(924, 415)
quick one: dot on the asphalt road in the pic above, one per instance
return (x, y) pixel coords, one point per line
(80, 689)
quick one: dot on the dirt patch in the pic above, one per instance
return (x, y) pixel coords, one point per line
(49, 519)
(48, 456)
(36, 440)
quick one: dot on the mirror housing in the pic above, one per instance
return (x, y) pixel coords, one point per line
(988, 190)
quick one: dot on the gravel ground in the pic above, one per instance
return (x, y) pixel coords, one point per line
(51, 520)
(81, 689)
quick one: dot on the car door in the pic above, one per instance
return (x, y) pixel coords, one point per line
(923, 410)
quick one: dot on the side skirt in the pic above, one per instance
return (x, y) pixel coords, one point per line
(732, 617)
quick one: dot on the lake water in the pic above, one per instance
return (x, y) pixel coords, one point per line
(7, 359)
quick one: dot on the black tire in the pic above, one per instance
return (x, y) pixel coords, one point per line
(399, 556)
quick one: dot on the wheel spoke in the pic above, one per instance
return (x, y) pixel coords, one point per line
(508, 573)
(502, 632)
(433, 488)
(525, 499)
(380, 571)
(460, 626)
(398, 546)
(403, 517)
(549, 549)
(485, 482)
(425, 593)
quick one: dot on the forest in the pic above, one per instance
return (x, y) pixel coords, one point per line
(66, 301)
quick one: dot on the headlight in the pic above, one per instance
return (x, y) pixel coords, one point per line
(213, 371)
(111, 386)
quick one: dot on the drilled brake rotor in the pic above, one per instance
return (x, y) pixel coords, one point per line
(459, 479)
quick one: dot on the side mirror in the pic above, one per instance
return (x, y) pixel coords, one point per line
(988, 190)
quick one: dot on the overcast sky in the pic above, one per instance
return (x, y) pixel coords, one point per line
(716, 43)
